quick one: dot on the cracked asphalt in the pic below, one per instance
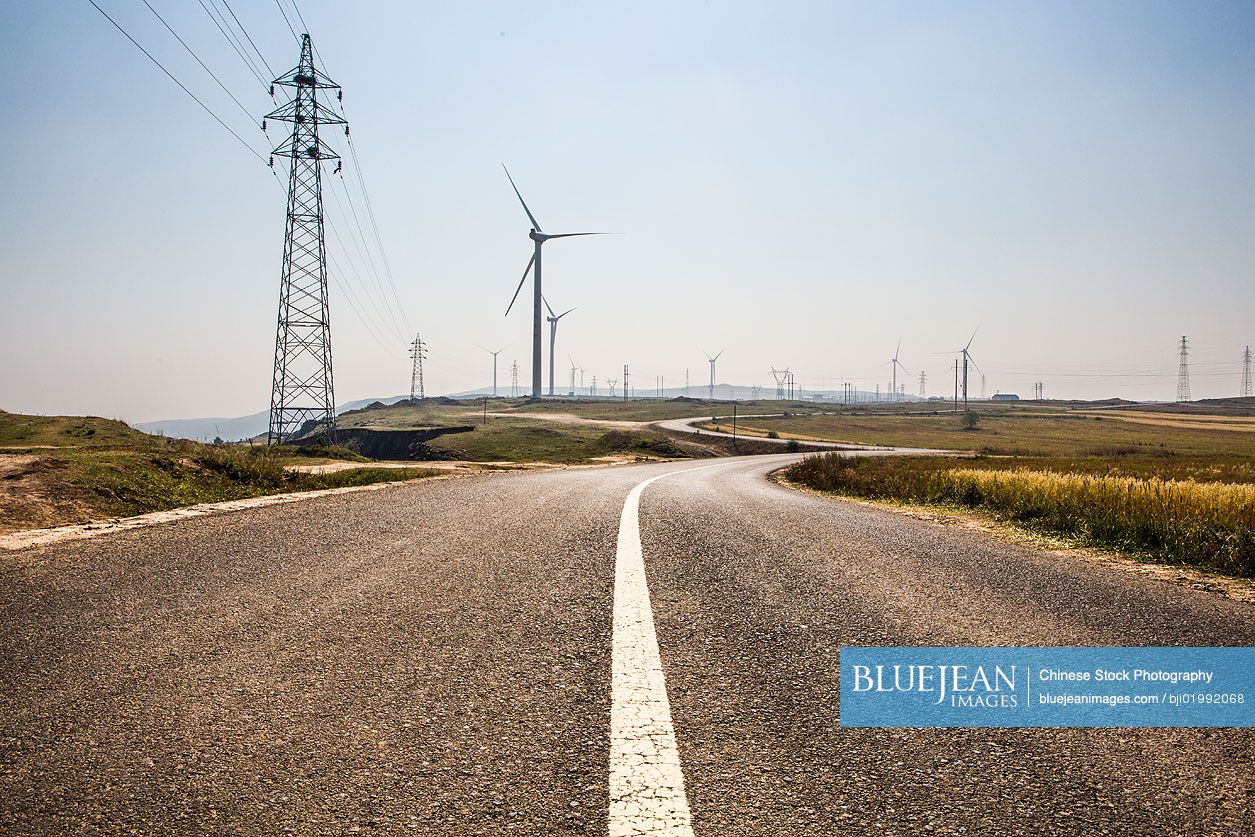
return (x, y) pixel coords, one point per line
(435, 658)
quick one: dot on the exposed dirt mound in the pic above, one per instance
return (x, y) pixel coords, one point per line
(379, 443)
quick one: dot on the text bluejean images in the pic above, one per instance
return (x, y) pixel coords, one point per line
(1047, 687)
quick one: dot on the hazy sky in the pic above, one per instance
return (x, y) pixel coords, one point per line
(801, 183)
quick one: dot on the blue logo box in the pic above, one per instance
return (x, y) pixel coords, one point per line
(1047, 687)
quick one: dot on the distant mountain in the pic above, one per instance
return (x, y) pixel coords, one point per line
(240, 427)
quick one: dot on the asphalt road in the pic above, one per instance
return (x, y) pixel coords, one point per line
(472, 656)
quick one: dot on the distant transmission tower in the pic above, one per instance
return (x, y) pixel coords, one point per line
(418, 351)
(982, 386)
(514, 379)
(625, 382)
(923, 384)
(1183, 372)
(593, 389)
(303, 389)
(1246, 373)
(612, 383)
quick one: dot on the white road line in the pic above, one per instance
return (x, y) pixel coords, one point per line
(646, 782)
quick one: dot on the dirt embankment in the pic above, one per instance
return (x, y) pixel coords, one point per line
(387, 444)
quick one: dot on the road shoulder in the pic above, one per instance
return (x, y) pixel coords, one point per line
(1237, 589)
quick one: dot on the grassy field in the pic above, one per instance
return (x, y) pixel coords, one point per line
(519, 432)
(56, 470)
(1024, 432)
(1201, 523)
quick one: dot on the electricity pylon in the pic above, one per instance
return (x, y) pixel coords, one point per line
(1183, 372)
(418, 351)
(1246, 373)
(923, 385)
(303, 389)
(514, 379)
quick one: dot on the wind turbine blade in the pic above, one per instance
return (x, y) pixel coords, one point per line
(546, 301)
(563, 314)
(895, 351)
(969, 342)
(972, 361)
(526, 271)
(568, 235)
(530, 216)
(721, 351)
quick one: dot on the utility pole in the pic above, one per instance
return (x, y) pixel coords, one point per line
(1183, 371)
(303, 388)
(625, 382)
(956, 385)
(418, 351)
(1246, 374)
(734, 422)
(686, 383)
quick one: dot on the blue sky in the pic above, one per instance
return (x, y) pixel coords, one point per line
(803, 183)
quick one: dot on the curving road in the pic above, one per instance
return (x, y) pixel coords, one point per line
(484, 656)
(687, 425)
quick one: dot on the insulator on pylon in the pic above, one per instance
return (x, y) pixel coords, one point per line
(263, 125)
(339, 165)
(272, 90)
(346, 130)
(340, 95)
(272, 161)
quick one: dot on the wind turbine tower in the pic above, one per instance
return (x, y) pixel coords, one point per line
(538, 239)
(553, 337)
(894, 365)
(712, 360)
(494, 367)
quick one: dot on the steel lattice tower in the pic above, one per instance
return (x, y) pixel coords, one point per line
(1183, 372)
(1246, 373)
(418, 351)
(303, 389)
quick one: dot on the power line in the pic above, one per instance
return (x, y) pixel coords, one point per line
(289, 23)
(198, 61)
(364, 253)
(297, 9)
(378, 320)
(182, 87)
(250, 38)
(233, 41)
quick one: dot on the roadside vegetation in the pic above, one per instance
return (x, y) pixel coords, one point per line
(56, 470)
(1184, 511)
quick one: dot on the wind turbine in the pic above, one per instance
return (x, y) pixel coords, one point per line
(967, 358)
(893, 385)
(712, 360)
(553, 336)
(538, 238)
(494, 366)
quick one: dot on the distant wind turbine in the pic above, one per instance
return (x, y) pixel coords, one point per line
(494, 366)
(893, 385)
(553, 337)
(966, 353)
(538, 238)
(712, 360)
